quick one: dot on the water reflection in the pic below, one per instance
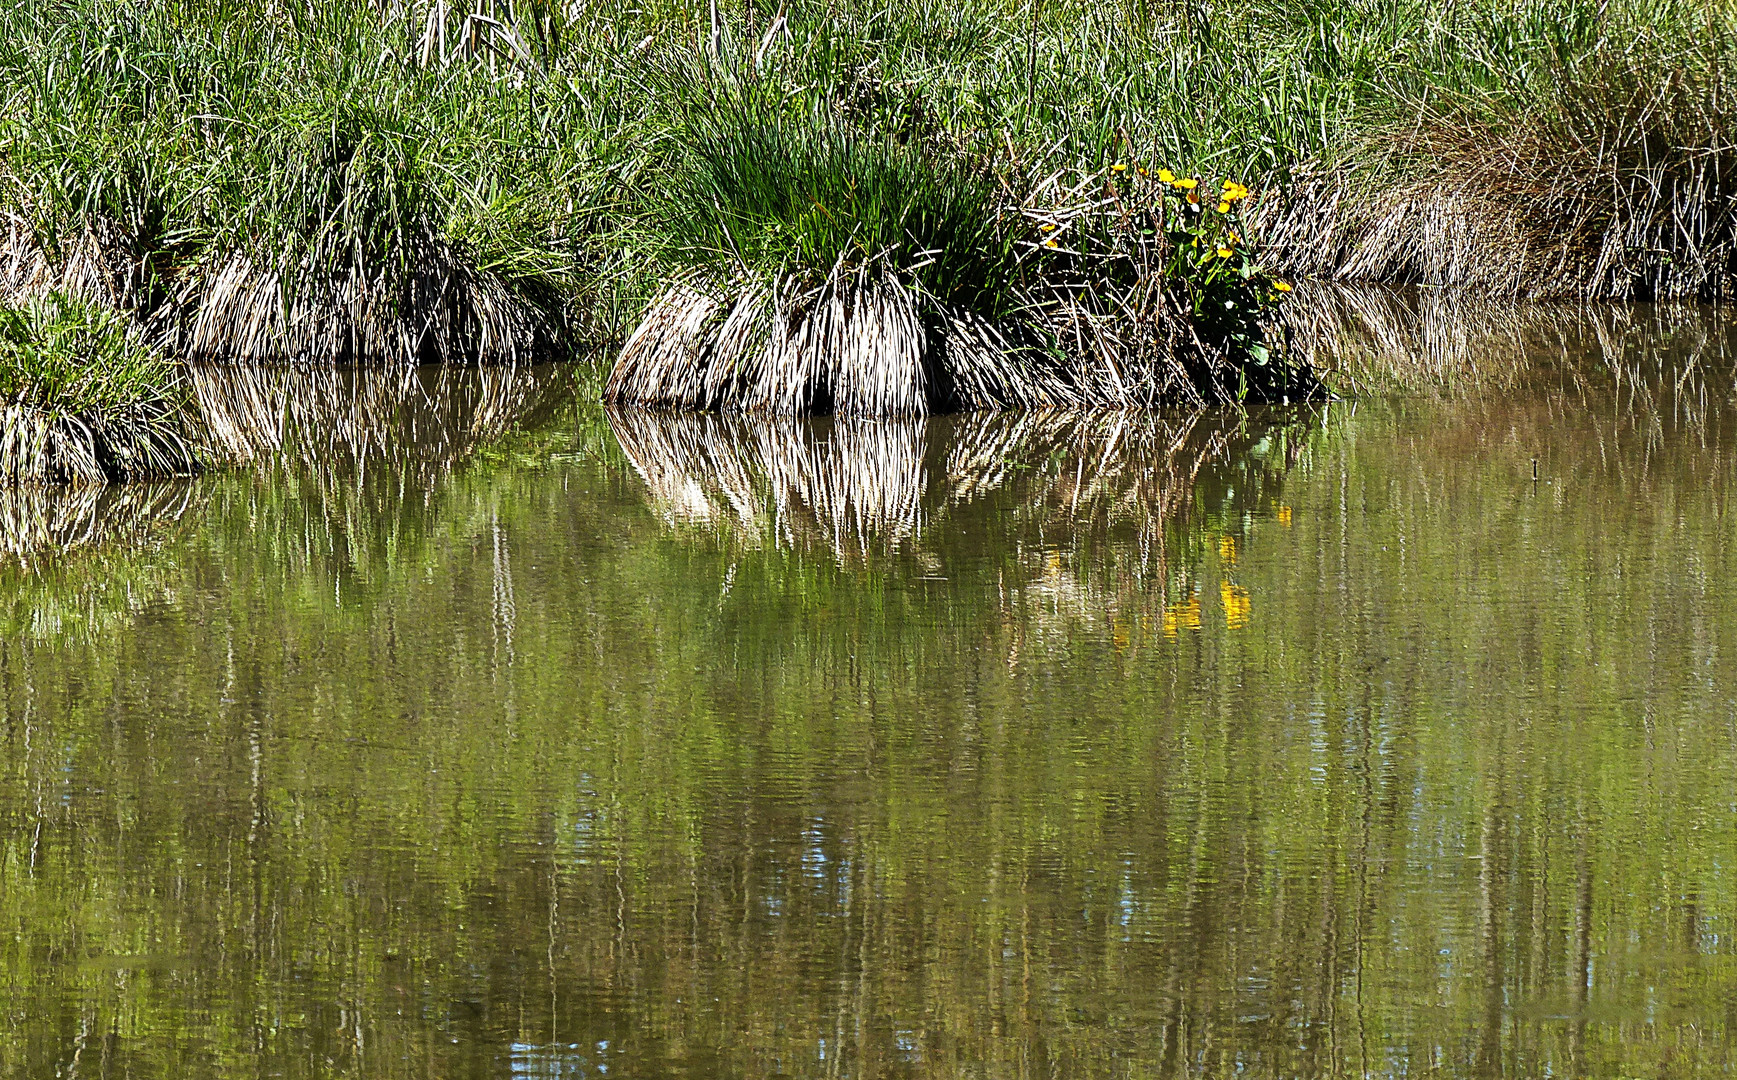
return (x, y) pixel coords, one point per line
(40, 520)
(1052, 746)
(415, 422)
(856, 488)
(76, 559)
(1672, 359)
(843, 483)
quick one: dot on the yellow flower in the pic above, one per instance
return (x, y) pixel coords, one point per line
(1118, 167)
(1194, 198)
(1047, 227)
(1049, 243)
(1236, 605)
(1224, 253)
(1234, 191)
(1183, 616)
(1189, 184)
(1167, 176)
(1282, 286)
(1223, 207)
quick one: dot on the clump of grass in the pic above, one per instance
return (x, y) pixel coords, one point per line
(835, 268)
(287, 187)
(1591, 157)
(83, 398)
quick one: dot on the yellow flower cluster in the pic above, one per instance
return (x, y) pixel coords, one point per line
(1236, 603)
(1182, 616)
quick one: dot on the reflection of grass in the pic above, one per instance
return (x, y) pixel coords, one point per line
(1450, 344)
(1127, 501)
(414, 422)
(704, 812)
(75, 560)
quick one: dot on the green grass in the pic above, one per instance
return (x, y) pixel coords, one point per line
(83, 397)
(67, 358)
(580, 158)
(788, 186)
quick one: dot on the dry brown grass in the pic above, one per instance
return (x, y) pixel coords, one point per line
(856, 345)
(1620, 184)
(431, 305)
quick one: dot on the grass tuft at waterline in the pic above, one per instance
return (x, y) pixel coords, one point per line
(83, 398)
(835, 269)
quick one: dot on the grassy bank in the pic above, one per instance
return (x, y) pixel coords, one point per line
(973, 180)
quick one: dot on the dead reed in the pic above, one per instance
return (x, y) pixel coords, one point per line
(424, 305)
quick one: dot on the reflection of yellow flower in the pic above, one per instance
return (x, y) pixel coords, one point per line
(1284, 516)
(1183, 616)
(1119, 636)
(1236, 605)
(1167, 176)
(1224, 208)
(1227, 549)
(1282, 286)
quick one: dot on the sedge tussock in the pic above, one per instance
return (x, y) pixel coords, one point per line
(84, 399)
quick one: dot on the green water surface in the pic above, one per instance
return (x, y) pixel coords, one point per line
(1319, 742)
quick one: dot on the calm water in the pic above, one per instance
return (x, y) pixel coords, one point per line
(1322, 742)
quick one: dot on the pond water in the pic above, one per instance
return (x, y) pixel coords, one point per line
(474, 734)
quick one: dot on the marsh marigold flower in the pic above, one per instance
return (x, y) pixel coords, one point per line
(1234, 191)
(1223, 207)
(1282, 286)
(1118, 167)
(1236, 605)
(1167, 176)
(1189, 184)
(1224, 253)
